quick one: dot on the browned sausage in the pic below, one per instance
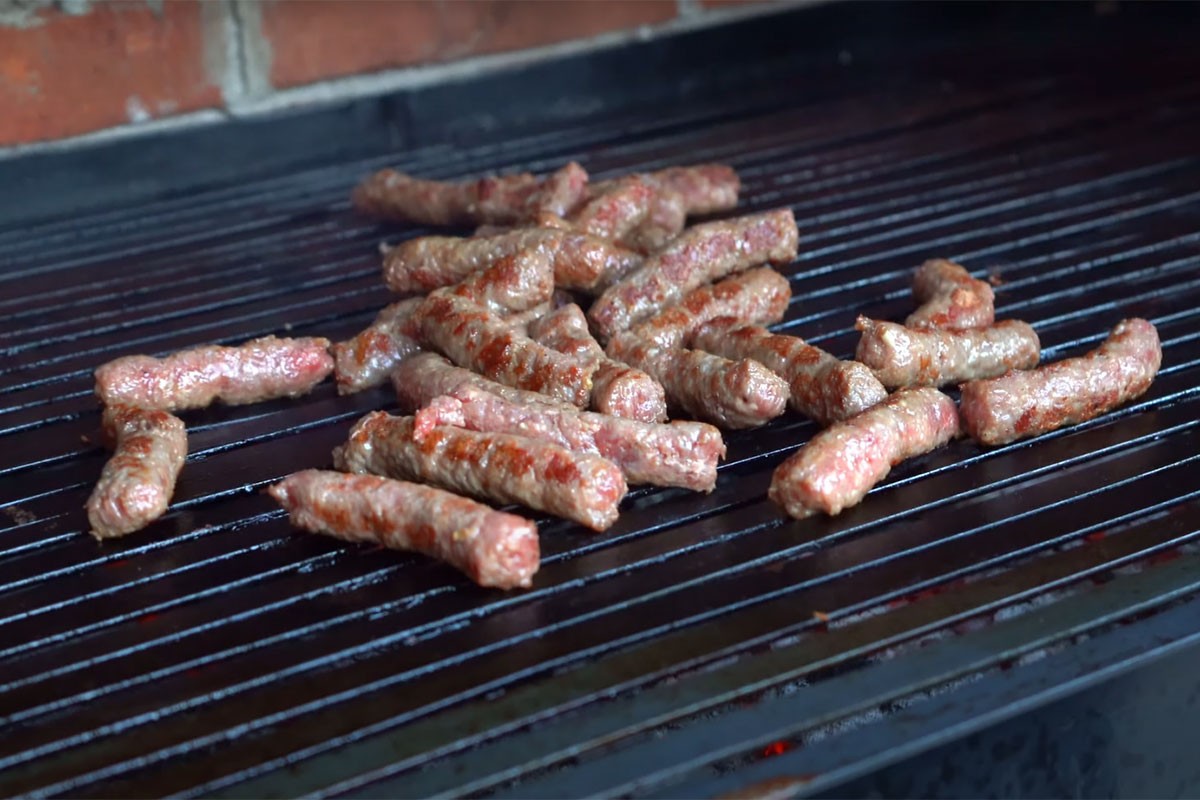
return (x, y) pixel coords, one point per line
(516, 282)
(136, 484)
(839, 465)
(702, 188)
(497, 200)
(950, 298)
(493, 466)
(677, 454)
(368, 358)
(699, 255)
(617, 210)
(493, 548)
(705, 188)
(561, 192)
(755, 296)
(617, 389)
(732, 394)
(579, 261)
(474, 337)
(822, 387)
(901, 356)
(261, 369)
(1021, 404)
(423, 377)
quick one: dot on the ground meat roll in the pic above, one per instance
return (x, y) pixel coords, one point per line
(428, 375)
(822, 387)
(579, 261)
(136, 484)
(261, 369)
(1068, 392)
(474, 337)
(839, 465)
(950, 298)
(901, 356)
(501, 200)
(732, 394)
(492, 466)
(493, 548)
(617, 389)
(677, 454)
(697, 256)
(368, 358)
(756, 296)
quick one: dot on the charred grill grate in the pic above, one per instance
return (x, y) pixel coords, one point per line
(219, 652)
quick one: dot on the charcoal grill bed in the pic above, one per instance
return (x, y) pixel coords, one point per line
(977, 601)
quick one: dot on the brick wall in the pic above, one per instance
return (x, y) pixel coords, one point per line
(69, 67)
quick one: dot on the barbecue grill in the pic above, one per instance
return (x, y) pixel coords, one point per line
(1018, 620)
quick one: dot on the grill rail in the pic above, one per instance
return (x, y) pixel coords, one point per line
(219, 652)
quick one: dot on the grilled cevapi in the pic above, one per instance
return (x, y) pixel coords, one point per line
(493, 548)
(676, 454)
(1021, 404)
(261, 369)
(135, 487)
(901, 356)
(821, 386)
(839, 465)
(491, 466)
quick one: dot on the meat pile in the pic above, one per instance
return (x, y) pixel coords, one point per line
(537, 363)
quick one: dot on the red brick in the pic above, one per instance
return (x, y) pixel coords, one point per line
(320, 39)
(73, 74)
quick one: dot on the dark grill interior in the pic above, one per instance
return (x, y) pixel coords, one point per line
(219, 652)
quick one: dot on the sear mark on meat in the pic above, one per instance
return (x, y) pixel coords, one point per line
(137, 482)
(493, 548)
(491, 466)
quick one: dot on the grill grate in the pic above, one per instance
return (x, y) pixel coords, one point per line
(221, 652)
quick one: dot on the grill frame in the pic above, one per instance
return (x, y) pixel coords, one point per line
(714, 680)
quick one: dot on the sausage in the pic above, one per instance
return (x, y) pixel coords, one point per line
(665, 219)
(136, 484)
(756, 296)
(492, 466)
(493, 548)
(1021, 404)
(521, 282)
(699, 255)
(677, 454)
(368, 358)
(950, 298)
(702, 188)
(822, 387)
(474, 337)
(393, 195)
(261, 369)
(617, 389)
(514, 282)
(579, 261)
(617, 210)
(732, 394)
(500, 200)
(561, 192)
(423, 377)
(901, 356)
(839, 465)
(638, 211)
(705, 188)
